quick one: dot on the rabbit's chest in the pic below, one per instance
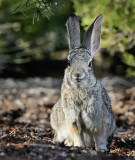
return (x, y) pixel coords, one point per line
(87, 104)
(78, 100)
(81, 101)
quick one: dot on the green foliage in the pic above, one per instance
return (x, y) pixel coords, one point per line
(129, 59)
(37, 7)
(118, 29)
(130, 72)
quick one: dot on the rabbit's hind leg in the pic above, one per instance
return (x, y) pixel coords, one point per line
(100, 142)
(88, 139)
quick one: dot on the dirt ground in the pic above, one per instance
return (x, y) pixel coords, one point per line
(25, 132)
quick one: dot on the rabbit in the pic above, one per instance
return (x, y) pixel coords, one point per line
(83, 116)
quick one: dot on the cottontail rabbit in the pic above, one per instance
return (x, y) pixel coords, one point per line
(83, 115)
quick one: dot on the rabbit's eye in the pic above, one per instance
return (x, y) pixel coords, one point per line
(90, 64)
(68, 62)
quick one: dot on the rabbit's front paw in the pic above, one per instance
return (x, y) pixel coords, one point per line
(79, 143)
(68, 143)
(101, 148)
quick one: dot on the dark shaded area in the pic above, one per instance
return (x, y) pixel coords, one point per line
(12, 114)
(35, 68)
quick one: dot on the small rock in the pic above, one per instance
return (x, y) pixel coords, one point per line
(2, 154)
(40, 150)
(1, 133)
(133, 153)
(72, 155)
(32, 134)
(93, 153)
(63, 154)
(40, 157)
(84, 151)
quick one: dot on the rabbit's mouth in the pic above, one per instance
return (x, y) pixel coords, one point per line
(79, 80)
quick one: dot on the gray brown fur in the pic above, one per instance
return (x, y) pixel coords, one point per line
(83, 115)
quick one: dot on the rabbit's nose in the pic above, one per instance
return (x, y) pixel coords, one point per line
(78, 76)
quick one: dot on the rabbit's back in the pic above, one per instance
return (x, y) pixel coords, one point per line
(110, 119)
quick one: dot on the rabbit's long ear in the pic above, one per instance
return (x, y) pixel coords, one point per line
(91, 40)
(73, 28)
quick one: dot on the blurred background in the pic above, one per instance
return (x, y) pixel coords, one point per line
(33, 38)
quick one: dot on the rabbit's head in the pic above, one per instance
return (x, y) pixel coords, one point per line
(79, 71)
